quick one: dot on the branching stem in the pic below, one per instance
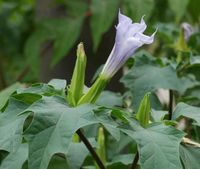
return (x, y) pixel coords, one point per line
(90, 148)
(135, 161)
(170, 104)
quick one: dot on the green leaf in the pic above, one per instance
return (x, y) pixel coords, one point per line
(58, 84)
(53, 126)
(178, 7)
(27, 98)
(33, 48)
(110, 99)
(103, 14)
(124, 159)
(190, 156)
(66, 36)
(193, 93)
(76, 8)
(68, 30)
(57, 162)
(54, 88)
(158, 115)
(193, 8)
(76, 155)
(5, 94)
(137, 8)
(11, 125)
(147, 75)
(16, 159)
(194, 60)
(186, 110)
(158, 145)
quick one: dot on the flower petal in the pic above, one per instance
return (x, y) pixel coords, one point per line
(146, 39)
(123, 19)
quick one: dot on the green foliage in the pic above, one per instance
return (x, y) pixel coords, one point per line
(136, 9)
(158, 145)
(193, 9)
(38, 122)
(11, 128)
(149, 74)
(66, 36)
(57, 126)
(103, 14)
(179, 7)
(189, 156)
(4, 95)
(16, 159)
(192, 112)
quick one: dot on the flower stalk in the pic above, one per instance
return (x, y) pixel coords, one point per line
(93, 93)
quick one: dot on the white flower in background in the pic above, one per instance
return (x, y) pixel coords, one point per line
(163, 96)
(129, 37)
(187, 30)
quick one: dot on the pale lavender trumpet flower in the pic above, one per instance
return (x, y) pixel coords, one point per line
(187, 30)
(129, 37)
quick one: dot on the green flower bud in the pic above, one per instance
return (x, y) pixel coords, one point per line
(75, 90)
(143, 114)
(101, 150)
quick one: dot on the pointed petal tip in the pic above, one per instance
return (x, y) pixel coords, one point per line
(155, 32)
(123, 18)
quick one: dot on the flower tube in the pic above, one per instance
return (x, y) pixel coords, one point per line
(129, 37)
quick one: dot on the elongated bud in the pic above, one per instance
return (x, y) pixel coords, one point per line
(75, 90)
(101, 150)
(93, 93)
(181, 44)
(143, 114)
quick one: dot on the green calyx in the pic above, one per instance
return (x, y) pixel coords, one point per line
(93, 93)
(75, 90)
(143, 114)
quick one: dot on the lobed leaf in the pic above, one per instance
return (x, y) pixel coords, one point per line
(158, 145)
(186, 110)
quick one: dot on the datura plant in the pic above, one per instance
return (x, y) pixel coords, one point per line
(72, 126)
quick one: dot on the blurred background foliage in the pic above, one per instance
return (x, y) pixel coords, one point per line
(38, 42)
(38, 39)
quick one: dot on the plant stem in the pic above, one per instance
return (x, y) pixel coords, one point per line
(2, 79)
(170, 104)
(135, 161)
(23, 73)
(90, 148)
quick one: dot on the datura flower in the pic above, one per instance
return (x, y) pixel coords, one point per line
(187, 30)
(129, 37)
